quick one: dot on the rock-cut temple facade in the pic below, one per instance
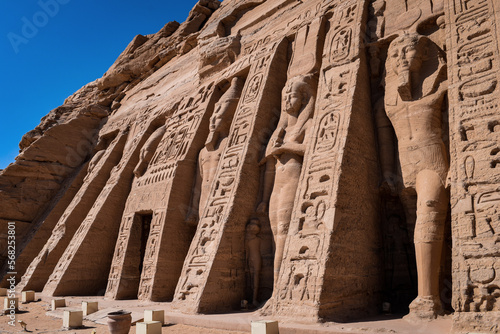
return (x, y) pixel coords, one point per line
(322, 159)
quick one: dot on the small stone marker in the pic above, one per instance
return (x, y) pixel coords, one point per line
(89, 308)
(148, 327)
(72, 319)
(27, 296)
(57, 303)
(9, 302)
(265, 327)
(154, 315)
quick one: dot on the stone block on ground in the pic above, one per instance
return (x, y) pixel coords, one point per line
(89, 308)
(9, 302)
(27, 296)
(57, 303)
(148, 327)
(154, 315)
(265, 327)
(72, 319)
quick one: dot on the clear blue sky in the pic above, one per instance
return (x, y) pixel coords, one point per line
(69, 47)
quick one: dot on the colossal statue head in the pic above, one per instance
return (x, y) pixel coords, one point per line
(414, 60)
(297, 93)
(220, 121)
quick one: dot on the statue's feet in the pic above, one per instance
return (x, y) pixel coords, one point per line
(424, 308)
(267, 309)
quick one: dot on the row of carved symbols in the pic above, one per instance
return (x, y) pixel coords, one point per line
(339, 46)
(150, 257)
(188, 104)
(309, 227)
(464, 6)
(482, 292)
(480, 150)
(299, 282)
(181, 127)
(476, 50)
(209, 225)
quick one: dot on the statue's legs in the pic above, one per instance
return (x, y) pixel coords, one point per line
(281, 206)
(432, 200)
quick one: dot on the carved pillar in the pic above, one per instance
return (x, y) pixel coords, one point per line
(213, 276)
(43, 264)
(84, 267)
(164, 190)
(473, 55)
(331, 268)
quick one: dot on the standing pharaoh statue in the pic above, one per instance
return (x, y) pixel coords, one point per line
(415, 90)
(209, 156)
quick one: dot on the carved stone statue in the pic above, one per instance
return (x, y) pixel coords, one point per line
(284, 156)
(209, 156)
(415, 89)
(253, 256)
(148, 150)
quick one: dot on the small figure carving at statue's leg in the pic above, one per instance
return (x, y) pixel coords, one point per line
(253, 257)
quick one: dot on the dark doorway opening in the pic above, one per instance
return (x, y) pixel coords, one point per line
(145, 223)
(135, 251)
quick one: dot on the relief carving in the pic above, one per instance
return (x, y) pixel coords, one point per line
(415, 88)
(285, 151)
(284, 154)
(253, 257)
(209, 156)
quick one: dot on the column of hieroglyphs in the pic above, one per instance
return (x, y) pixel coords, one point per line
(131, 224)
(173, 235)
(216, 259)
(334, 221)
(167, 275)
(474, 60)
(74, 273)
(100, 166)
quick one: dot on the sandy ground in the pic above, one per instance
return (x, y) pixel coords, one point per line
(39, 320)
(33, 314)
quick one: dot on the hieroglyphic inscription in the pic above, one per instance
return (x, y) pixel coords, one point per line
(151, 256)
(204, 246)
(474, 120)
(172, 149)
(136, 135)
(154, 186)
(312, 220)
(181, 127)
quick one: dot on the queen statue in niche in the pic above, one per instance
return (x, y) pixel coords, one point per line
(284, 156)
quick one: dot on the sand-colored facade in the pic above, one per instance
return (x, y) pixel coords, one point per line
(320, 159)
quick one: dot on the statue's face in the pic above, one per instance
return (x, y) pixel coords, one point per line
(253, 228)
(292, 98)
(216, 119)
(405, 55)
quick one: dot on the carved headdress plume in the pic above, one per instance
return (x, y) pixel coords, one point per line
(307, 49)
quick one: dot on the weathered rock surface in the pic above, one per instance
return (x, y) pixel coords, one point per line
(320, 160)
